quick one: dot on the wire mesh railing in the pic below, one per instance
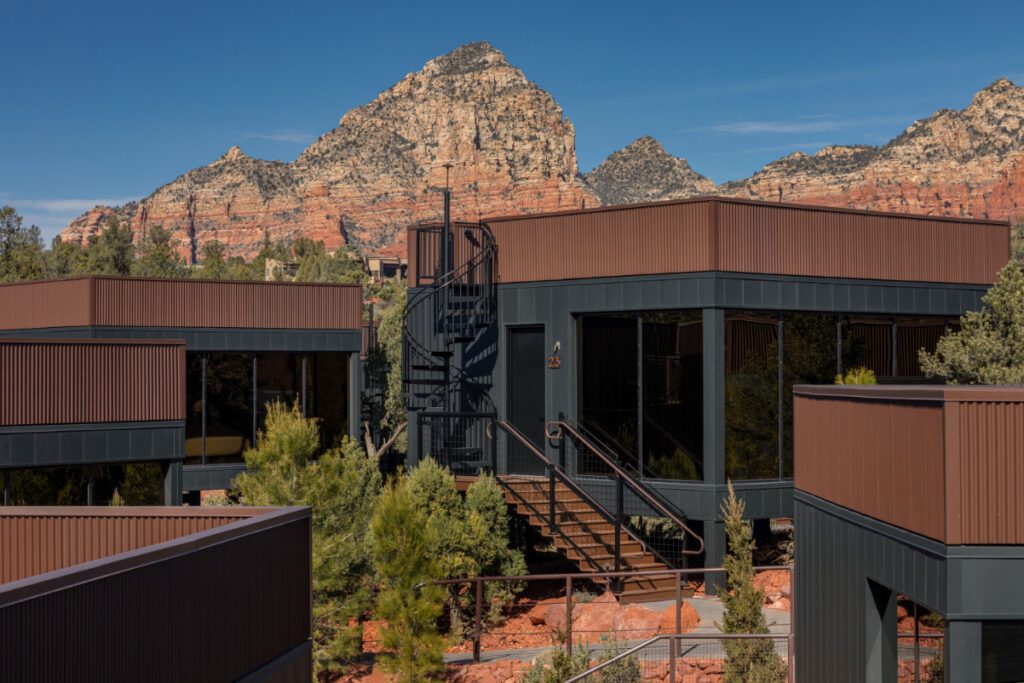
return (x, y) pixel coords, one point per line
(457, 440)
(700, 658)
(523, 616)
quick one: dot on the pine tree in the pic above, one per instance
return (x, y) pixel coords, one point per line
(111, 252)
(341, 485)
(989, 346)
(212, 259)
(156, 257)
(752, 660)
(21, 249)
(405, 555)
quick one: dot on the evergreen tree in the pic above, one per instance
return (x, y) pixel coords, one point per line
(341, 485)
(316, 265)
(752, 660)
(65, 259)
(21, 249)
(156, 257)
(405, 554)
(111, 252)
(214, 266)
(989, 346)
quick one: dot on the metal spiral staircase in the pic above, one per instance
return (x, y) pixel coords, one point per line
(454, 303)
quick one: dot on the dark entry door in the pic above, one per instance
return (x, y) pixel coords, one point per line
(526, 370)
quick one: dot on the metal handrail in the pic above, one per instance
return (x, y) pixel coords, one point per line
(679, 636)
(640, 489)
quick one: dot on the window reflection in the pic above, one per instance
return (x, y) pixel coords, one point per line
(808, 357)
(608, 382)
(228, 406)
(751, 396)
(673, 387)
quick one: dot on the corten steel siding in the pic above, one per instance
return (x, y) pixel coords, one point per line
(212, 606)
(943, 462)
(38, 540)
(748, 237)
(138, 302)
(53, 303)
(47, 382)
(883, 459)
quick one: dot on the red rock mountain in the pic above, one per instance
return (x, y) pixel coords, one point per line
(967, 163)
(511, 150)
(510, 147)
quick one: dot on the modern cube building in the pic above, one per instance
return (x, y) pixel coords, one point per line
(671, 335)
(127, 594)
(239, 345)
(909, 533)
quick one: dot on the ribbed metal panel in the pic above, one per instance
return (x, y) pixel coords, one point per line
(881, 458)
(944, 462)
(53, 303)
(38, 540)
(662, 238)
(785, 240)
(985, 451)
(197, 608)
(83, 381)
(198, 303)
(746, 237)
(138, 302)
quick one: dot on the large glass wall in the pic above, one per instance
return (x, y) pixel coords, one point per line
(609, 382)
(751, 395)
(808, 357)
(652, 420)
(1002, 658)
(226, 416)
(136, 484)
(673, 395)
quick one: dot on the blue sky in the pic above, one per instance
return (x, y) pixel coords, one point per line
(105, 101)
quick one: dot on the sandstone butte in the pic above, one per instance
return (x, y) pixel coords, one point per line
(512, 150)
(509, 145)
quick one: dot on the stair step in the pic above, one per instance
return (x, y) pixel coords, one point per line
(426, 381)
(442, 354)
(429, 368)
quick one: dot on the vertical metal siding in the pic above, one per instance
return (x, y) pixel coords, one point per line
(746, 237)
(35, 305)
(199, 614)
(198, 303)
(883, 459)
(81, 381)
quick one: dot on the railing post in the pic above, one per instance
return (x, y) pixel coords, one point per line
(790, 664)
(679, 628)
(419, 437)
(494, 448)
(478, 619)
(551, 499)
(568, 615)
(561, 443)
(618, 533)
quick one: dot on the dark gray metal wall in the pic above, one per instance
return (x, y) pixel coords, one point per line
(838, 551)
(555, 305)
(81, 444)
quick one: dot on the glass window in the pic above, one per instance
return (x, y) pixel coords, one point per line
(1002, 659)
(327, 394)
(808, 357)
(228, 406)
(608, 383)
(913, 335)
(751, 396)
(278, 378)
(867, 343)
(193, 408)
(137, 483)
(673, 388)
(920, 635)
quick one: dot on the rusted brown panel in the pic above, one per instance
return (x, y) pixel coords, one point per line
(68, 381)
(989, 470)
(882, 458)
(788, 240)
(35, 540)
(642, 240)
(50, 303)
(207, 303)
(195, 608)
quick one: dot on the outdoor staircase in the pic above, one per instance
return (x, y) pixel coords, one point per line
(586, 537)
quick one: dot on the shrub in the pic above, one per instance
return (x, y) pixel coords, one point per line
(558, 666)
(753, 660)
(857, 376)
(405, 554)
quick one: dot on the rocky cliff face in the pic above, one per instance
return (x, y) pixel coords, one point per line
(508, 143)
(644, 172)
(955, 163)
